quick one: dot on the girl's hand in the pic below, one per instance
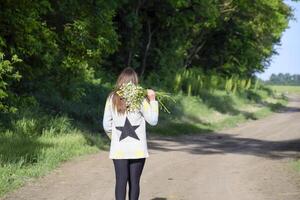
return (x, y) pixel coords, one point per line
(151, 94)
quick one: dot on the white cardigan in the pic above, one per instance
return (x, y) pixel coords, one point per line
(127, 132)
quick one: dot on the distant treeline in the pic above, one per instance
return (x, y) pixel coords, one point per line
(284, 79)
(57, 47)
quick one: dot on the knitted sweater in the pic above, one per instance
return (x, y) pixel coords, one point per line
(127, 132)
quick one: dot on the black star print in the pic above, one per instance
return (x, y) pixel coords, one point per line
(127, 130)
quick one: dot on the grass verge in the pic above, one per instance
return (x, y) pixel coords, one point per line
(210, 112)
(286, 89)
(34, 143)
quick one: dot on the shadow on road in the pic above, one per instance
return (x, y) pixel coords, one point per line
(219, 143)
(222, 143)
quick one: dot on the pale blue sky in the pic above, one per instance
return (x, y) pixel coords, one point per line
(288, 60)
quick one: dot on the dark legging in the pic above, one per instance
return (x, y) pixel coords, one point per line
(128, 170)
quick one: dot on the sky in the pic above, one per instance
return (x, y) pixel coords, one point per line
(288, 59)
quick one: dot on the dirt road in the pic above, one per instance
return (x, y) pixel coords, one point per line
(248, 162)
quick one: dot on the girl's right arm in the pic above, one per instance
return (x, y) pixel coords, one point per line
(107, 118)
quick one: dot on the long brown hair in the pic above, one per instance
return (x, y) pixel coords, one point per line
(128, 74)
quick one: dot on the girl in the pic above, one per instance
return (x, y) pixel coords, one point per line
(127, 132)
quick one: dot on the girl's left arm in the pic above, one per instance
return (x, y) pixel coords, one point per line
(150, 111)
(107, 118)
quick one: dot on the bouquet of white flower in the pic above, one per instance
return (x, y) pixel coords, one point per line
(135, 94)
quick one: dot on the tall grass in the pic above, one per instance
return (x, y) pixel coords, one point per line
(211, 111)
(193, 81)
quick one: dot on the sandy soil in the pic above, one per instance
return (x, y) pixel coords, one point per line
(249, 162)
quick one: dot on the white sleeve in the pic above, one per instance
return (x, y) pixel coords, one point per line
(107, 118)
(150, 111)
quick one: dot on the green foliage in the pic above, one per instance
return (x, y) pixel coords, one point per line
(67, 44)
(284, 79)
(7, 76)
(61, 43)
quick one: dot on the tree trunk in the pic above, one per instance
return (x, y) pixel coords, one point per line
(147, 48)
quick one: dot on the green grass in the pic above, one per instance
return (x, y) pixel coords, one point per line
(34, 143)
(285, 88)
(25, 158)
(296, 165)
(210, 112)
